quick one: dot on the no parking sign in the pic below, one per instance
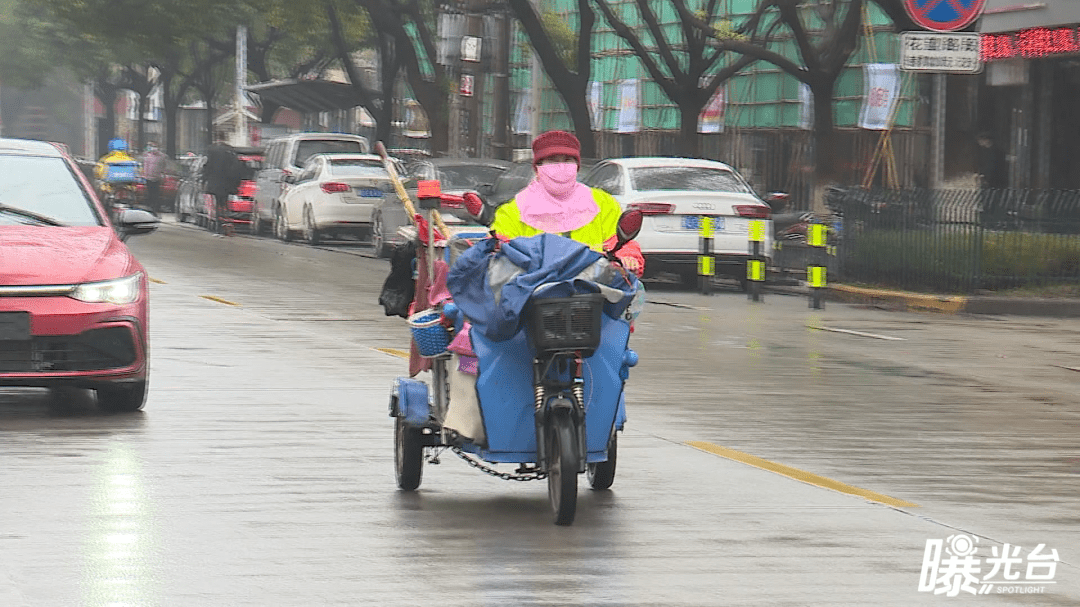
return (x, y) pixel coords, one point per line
(944, 15)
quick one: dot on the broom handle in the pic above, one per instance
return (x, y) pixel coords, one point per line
(380, 149)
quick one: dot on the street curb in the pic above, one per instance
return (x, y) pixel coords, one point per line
(945, 304)
(919, 302)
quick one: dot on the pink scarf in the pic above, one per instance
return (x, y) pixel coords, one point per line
(555, 202)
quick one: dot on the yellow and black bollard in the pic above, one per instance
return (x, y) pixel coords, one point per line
(815, 273)
(706, 262)
(755, 266)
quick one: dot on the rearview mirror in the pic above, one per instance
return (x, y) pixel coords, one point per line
(629, 226)
(135, 222)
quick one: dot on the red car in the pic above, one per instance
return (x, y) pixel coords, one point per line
(73, 300)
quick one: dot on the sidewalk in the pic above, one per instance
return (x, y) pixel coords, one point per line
(956, 304)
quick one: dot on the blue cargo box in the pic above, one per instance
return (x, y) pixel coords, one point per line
(122, 171)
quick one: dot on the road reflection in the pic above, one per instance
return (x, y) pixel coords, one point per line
(516, 556)
(120, 545)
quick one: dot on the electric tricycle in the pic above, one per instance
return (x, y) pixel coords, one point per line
(526, 346)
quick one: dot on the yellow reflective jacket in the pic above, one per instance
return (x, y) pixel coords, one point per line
(594, 234)
(111, 157)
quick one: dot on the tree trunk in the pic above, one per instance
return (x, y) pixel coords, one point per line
(108, 100)
(827, 156)
(581, 117)
(141, 121)
(429, 96)
(209, 121)
(689, 142)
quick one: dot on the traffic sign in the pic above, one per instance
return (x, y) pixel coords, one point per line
(937, 52)
(466, 85)
(944, 15)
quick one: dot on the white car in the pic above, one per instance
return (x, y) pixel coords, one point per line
(334, 194)
(673, 194)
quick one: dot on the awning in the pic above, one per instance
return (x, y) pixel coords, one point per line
(307, 96)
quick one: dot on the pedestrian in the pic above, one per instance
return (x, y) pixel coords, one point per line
(153, 170)
(222, 172)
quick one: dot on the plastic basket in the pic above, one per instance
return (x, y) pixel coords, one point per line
(566, 323)
(430, 336)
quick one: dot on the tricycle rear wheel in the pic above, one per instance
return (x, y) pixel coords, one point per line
(562, 468)
(408, 455)
(602, 474)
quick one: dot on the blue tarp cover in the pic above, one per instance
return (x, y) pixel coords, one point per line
(539, 260)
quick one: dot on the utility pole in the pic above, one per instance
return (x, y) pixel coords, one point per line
(474, 103)
(241, 136)
(937, 137)
(501, 139)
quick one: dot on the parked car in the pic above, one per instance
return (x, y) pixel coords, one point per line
(286, 156)
(73, 299)
(673, 193)
(333, 195)
(455, 176)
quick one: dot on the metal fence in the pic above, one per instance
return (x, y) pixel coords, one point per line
(957, 241)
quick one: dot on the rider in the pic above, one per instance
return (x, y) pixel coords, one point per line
(117, 156)
(555, 202)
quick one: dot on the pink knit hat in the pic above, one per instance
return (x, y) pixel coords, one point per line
(556, 142)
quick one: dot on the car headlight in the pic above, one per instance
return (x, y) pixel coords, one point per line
(117, 291)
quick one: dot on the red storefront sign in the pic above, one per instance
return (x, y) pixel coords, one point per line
(1030, 43)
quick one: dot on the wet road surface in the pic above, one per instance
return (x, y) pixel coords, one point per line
(261, 471)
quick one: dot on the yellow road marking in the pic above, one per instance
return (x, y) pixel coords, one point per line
(393, 352)
(220, 300)
(799, 475)
(158, 282)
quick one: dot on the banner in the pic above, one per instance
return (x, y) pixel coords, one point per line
(629, 112)
(596, 110)
(711, 119)
(881, 82)
(806, 106)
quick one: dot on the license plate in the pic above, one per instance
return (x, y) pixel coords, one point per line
(369, 192)
(14, 326)
(693, 222)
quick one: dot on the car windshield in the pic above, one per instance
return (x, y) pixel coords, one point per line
(687, 178)
(467, 177)
(304, 149)
(357, 167)
(45, 187)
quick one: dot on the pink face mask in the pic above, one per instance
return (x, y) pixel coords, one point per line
(557, 178)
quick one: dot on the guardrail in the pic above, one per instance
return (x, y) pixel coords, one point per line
(957, 241)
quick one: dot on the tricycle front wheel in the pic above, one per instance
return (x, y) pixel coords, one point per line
(562, 468)
(408, 455)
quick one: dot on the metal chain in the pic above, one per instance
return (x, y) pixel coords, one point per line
(506, 476)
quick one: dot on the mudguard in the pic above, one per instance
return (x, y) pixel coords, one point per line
(409, 400)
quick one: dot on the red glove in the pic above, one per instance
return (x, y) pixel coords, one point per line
(629, 255)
